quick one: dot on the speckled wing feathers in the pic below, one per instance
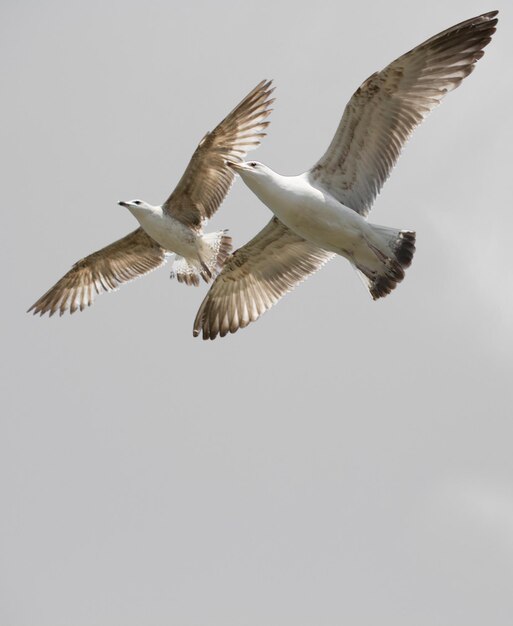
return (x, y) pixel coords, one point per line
(207, 179)
(104, 270)
(255, 277)
(388, 106)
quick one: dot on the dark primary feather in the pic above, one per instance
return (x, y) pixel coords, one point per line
(255, 277)
(390, 104)
(104, 270)
(207, 179)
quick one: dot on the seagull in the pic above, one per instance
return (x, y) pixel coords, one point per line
(323, 211)
(176, 226)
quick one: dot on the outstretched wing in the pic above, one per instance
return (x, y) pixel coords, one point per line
(390, 104)
(104, 270)
(255, 277)
(207, 179)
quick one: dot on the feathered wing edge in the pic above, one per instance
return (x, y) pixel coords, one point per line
(104, 270)
(255, 277)
(389, 105)
(207, 179)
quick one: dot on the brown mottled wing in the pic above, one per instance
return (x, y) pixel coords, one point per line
(104, 270)
(389, 105)
(255, 277)
(207, 179)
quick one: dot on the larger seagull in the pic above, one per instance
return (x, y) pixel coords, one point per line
(176, 226)
(323, 212)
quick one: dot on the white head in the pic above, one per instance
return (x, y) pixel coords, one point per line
(256, 175)
(138, 207)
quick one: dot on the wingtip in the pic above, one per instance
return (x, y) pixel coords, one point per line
(492, 19)
(489, 18)
(265, 87)
(37, 309)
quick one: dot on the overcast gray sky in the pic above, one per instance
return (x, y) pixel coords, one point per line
(341, 461)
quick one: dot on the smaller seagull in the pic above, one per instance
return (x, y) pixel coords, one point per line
(176, 226)
(323, 212)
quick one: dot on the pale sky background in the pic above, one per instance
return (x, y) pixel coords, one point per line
(341, 461)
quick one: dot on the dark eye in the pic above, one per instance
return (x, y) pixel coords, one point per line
(138, 202)
(253, 164)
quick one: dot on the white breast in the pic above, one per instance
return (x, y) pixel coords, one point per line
(169, 233)
(312, 213)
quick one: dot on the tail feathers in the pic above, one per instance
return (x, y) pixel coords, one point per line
(405, 248)
(389, 271)
(213, 250)
(185, 271)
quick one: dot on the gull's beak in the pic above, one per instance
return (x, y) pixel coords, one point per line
(235, 166)
(125, 204)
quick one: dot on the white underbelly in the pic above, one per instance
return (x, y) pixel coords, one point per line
(171, 235)
(332, 227)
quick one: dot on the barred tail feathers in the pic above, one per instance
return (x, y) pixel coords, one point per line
(392, 258)
(186, 271)
(213, 249)
(400, 242)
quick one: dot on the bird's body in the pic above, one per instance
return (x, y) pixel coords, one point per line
(176, 227)
(323, 211)
(170, 233)
(380, 254)
(310, 212)
(196, 253)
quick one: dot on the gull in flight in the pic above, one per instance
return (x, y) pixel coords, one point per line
(176, 226)
(323, 211)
